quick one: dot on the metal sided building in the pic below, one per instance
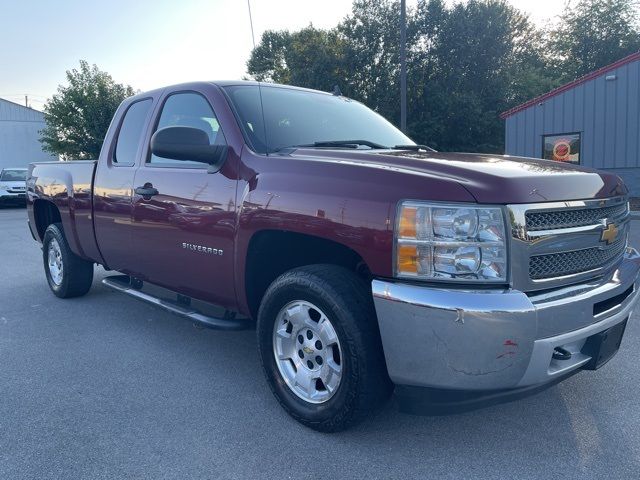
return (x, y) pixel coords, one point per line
(19, 135)
(593, 121)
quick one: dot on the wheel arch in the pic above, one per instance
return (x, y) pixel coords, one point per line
(45, 213)
(270, 253)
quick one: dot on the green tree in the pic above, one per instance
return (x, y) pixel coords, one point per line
(594, 33)
(268, 60)
(470, 62)
(78, 115)
(467, 62)
(371, 50)
(310, 57)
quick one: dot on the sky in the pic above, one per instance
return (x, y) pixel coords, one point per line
(152, 43)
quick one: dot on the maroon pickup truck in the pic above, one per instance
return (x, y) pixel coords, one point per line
(364, 261)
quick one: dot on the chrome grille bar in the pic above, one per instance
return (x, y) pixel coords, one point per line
(560, 243)
(536, 221)
(567, 263)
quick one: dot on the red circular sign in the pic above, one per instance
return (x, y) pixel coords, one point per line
(562, 150)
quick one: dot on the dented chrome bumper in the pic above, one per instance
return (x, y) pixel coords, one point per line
(497, 339)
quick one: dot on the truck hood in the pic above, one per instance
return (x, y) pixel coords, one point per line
(495, 179)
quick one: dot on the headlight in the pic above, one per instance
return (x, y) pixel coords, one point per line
(450, 242)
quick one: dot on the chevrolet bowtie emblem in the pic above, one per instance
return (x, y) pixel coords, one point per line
(609, 234)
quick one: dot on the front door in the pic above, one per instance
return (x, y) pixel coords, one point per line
(184, 216)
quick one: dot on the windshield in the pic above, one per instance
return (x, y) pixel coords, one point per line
(298, 117)
(13, 175)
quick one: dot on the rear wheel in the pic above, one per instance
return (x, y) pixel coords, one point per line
(320, 347)
(67, 274)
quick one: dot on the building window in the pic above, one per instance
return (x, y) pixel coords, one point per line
(562, 148)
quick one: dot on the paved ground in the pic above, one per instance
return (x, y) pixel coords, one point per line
(106, 387)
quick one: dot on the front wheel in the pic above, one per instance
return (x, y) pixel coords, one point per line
(67, 274)
(320, 347)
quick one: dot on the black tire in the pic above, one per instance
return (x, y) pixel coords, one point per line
(77, 273)
(346, 301)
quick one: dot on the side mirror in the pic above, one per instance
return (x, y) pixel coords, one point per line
(188, 143)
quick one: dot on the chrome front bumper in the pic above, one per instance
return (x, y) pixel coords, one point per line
(496, 339)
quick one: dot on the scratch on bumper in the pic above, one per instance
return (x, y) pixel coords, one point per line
(499, 344)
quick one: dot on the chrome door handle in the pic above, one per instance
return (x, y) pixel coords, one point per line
(146, 191)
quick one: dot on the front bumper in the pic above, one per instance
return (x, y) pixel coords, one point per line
(12, 197)
(497, 339)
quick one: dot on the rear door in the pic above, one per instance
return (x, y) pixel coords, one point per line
(184, 232)
(113, 185)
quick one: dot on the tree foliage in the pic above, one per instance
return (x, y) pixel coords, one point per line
(78, 115)
(476, 60)
(594, 33)
(309, 57)
(467, 61)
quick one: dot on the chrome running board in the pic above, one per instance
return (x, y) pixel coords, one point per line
(180, 307)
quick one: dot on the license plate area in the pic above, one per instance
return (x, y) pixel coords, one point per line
(602, 346)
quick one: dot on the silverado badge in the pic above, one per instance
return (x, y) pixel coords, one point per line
(202, 249)
(609, 234)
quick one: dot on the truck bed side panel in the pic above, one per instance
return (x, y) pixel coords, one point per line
(67, 185)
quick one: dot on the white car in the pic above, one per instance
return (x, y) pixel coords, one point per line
(13, 189)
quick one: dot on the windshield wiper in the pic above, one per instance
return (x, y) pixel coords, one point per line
(341, 143)
(414, 147)
(338, 143)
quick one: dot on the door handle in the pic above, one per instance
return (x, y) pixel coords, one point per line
(146, 191)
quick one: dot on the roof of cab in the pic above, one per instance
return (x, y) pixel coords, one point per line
(222, 83)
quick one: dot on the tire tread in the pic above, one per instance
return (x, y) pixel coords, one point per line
(78, 273)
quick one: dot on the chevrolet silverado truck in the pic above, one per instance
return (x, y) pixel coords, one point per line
(364, 261)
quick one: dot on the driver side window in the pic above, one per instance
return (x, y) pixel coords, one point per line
(188, 110)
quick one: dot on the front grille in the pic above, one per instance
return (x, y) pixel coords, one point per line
(577, 261)
(537, 221)
(561, 243)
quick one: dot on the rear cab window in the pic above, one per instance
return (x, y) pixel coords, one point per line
(130, 134)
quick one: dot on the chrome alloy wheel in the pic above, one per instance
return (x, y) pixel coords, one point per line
(54, 261)
(307, 351)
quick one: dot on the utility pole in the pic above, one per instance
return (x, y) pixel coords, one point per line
(26, 101)
(403, 65)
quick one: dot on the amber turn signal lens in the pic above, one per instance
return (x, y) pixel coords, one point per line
(407, 228)
(407, 259)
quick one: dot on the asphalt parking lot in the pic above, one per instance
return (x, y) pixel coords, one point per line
(106, 387)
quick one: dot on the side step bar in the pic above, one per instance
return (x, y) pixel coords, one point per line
(182, 308)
